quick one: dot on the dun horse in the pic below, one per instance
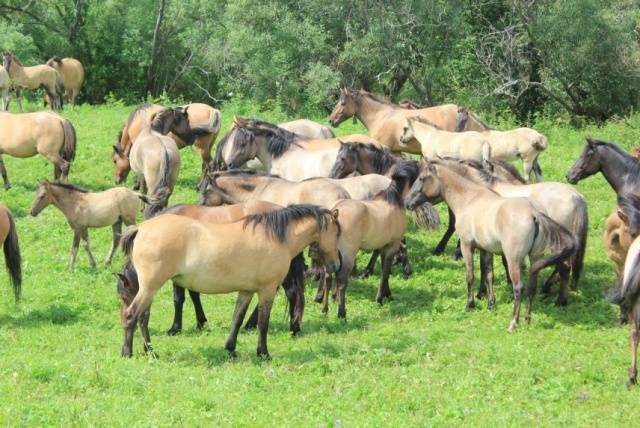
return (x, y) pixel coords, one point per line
(72, 74)
(385, 121)
(249, 256)
(11, 248)
(155, 158)
(35, 77)
(496, 225)
(84, 210)
(5, 88)
(293, 284)
(47, 134)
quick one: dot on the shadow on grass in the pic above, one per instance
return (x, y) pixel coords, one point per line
(54, 314)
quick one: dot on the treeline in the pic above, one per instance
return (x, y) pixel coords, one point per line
(576, 57)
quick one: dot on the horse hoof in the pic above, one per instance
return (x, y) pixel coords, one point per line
(295, 329)
(342, 315)
(480, 295)
(318, 298)
(491, 304)
(264, 355)
(471, 305)
(438, 251)
(364, 275)
(174, 331)
(512, 327)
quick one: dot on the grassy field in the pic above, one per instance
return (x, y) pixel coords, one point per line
(418, 360)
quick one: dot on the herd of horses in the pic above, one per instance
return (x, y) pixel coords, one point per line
(273, 190)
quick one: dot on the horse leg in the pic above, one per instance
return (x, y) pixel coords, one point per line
(342, 280)
(178, 304)
(506, 269)
(19, 99)
(242, 303)
(457, 254)
(515, 274)
(141, 303)
(383, 288)
(116, 228)
(546, 288)
(5, 177)
(252, 322)
(264, 313)
(201, 318)
(327, 284)
(467, 254)
(451, 227)
(402, 257)
(371, 265)
(74, 249)
(85, 242)
(143, 323)
(486, 259)
(531, 291)
(563, 295)
(633, 336)
(527, 165)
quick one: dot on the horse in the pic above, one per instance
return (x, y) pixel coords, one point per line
(72, 74)
(496, 225)
(293, 283)
(11, 248)
(283, 153)
(5, 88)
(376, 224)
(200, 130)
(208, 258)
(35, 77)
(48, 134)
(559, 201)
(84, 210)
(626, 295)
(464, 115)
(518, 143)
(385, 121)
(155, 157)
(308, 128)
(619, 168)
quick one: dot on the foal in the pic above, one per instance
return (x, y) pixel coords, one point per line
(496, 225)
(83, 210)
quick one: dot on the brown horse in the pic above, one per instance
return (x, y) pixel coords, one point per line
(248, 256)
(204, 122)
(11, 247)
(385, 121)
(84, 210)
(44, 133)
(293, 283)
(72, 74)
(155, 157)
(35, 77)
(496, 225)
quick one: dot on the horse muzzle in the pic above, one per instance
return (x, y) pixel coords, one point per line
(413, 201)
(572, 178)
(334, 267)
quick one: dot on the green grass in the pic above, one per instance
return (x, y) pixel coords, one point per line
(418, 360)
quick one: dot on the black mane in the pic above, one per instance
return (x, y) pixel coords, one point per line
(71, 187)
(512, 170)
(404, 173)
(277, 222)
(383, 159)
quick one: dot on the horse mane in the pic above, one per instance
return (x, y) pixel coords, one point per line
(512, 170)
(280, 139)
(383, 159)
(54, 59)
(277, 222)
(71, 187)
(403, 173)
(635, 162)
(421, 119)
(362, 93)
(630, 204)
(138, 109)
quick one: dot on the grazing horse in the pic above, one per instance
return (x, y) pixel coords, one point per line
(11, 248)
(5, 88)
(519, 143)
(48, 134)
(155, 158)
(376, 224)
(281, 152)
(559, 201)
(496, 225)
(385, 121)
(249, 256)
(200, 130)
(84, 210)
(72, 74)
(627, 296)
(293, 283)
(35, 77)
(619, 168)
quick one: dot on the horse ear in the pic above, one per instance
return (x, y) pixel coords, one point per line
(623, 216)
(117, 150)
(342, 143)
(590, 142)
(334, 214)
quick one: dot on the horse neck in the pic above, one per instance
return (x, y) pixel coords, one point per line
(240, 195)
(368, 109)
(456, 190)
(65, 200)
(16, 71)
(301, 234)
(614, 168)
(263, 154)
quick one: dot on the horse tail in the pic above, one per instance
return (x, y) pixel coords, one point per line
(12, 258)
(556, 238)
(580, 230)
(425, 216)
(128, 237)
(327, 132)
(540, 143)
(60, 90)
(68, 148)
(212, 127)
(536, 168)
(627, 288)
(160, 197)
(293, 286)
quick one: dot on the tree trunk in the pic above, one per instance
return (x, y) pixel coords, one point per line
(155, 51)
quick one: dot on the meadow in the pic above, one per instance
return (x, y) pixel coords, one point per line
(420, 359)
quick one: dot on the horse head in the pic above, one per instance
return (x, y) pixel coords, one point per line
(346, 160)
(587, 164)
(346, 107)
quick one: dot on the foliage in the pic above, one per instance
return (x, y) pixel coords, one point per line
(419, 360)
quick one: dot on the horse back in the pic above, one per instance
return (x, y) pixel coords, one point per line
(24, 135)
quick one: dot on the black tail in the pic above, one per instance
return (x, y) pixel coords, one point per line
(627, 289)
(557, 239)
(68, 148)
(12, 259)
(293, 286)
(160, 197)
(580, 230)
(537, 170)
(127, 240)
